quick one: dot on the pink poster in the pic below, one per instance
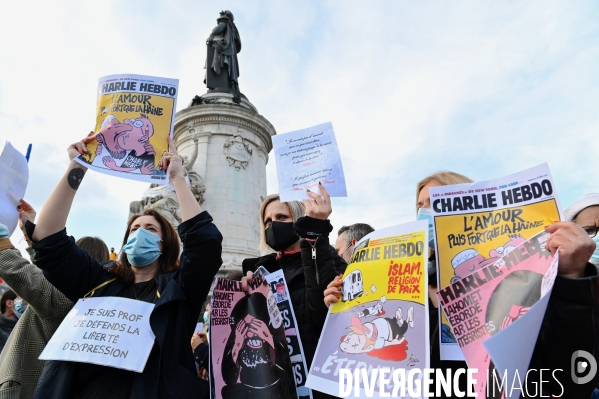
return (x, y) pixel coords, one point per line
(493, 298)
(248, 347)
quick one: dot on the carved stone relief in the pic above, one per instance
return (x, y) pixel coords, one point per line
(237, 152)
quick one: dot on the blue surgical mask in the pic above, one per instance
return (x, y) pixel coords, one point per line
(142, 247)
(595, 256)
(19, 308)
(426, 214)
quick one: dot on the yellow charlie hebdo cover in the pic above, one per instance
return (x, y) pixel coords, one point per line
(134, 116)
(476, 224)
(382, 317)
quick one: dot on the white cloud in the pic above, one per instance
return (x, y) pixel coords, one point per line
(485, 89)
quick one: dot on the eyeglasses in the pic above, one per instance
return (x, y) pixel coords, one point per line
(341, 253)
(591, 230)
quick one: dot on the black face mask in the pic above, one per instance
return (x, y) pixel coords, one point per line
(280, 235)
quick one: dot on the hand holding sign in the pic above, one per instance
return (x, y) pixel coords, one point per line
(574, 245)
(171, 161)
(319, 207)
(80, 147)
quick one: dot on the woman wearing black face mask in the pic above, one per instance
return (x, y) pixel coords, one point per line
(299, 233)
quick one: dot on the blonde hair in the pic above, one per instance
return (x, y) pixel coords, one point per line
(444, 177)
(296, 208)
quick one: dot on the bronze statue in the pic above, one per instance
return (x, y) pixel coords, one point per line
(222, 68)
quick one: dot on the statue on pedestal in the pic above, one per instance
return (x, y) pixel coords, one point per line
(222, 68)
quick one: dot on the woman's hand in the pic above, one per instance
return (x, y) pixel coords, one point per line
(80, 147)
(249, 277)
(26, 213)
(574, 245)
(333, 291)
(171, 161)
(319, 207)
(197, 339)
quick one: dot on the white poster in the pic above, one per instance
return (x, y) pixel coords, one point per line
(108, 331)
(306, 157)
(13, 183)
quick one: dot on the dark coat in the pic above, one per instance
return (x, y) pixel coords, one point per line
(306, 279)
(170, 371)
(6, 327)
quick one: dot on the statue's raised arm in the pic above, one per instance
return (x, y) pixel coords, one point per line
(223, 44)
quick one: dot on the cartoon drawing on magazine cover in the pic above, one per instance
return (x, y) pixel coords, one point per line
(256, 360)
(382, 337)
(352, 286)
(468, 261)
(128, 141)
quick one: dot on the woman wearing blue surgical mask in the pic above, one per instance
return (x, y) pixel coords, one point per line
(149, 269)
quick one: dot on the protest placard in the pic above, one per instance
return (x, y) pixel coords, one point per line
(109, 331)
(13, 183)
(306, 157)
(509, 294)
(278, 287)
(134, 116)
(381, 320)
(248, 347)
(475, 224)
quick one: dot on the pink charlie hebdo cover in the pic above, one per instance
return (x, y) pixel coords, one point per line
(381, 320)
(134, 116)
(511, 293)
(248, 347)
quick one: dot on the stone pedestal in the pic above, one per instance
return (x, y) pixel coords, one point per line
(233, 142)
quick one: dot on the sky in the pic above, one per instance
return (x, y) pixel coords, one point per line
(485, 89)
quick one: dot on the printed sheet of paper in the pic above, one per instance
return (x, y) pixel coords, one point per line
(306, 157)
(134, 116)
(382, 318)
(502, 297)
(13, 183)
(108, 331)
(248, 347)
(278, 287)
(476, 223)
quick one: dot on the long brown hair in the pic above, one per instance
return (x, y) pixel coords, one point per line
(95, 247)
(169, 259)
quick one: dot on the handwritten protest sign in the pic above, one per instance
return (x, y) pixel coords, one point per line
(382, 318)
(477, 223)
(13, 183)
(499, 297)
(108, 331)
(134, 116)
(248, 347)
(306, 157)
(278, 287)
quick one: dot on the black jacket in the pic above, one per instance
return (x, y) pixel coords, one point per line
(6, 327)
(170, 371)
(571, 323)
(306, 278)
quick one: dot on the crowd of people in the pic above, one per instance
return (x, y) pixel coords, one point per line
(294, 238)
